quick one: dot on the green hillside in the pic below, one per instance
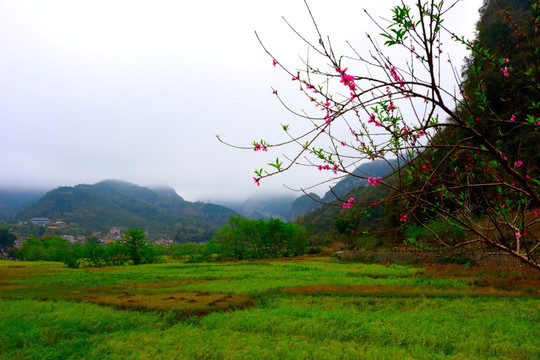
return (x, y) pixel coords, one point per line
(101, 206)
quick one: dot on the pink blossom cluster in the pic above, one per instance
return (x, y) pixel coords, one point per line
(324, 167)
(394, 74)
(347, 80)
(374, 181)
(372, 120)
(348, 204)
(403, 218)
(327, 167)
(328, 116)
(260, 147)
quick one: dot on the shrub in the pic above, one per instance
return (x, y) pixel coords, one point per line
(93, 253)
(50, 248)
(72, 256)
(115, 254)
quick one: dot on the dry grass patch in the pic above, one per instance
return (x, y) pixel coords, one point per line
(158, 296)
(187, 302)
(21, 271)
(525, 281)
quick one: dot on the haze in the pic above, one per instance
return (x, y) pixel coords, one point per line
(137, 90)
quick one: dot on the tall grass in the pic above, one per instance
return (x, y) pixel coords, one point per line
(264, 310)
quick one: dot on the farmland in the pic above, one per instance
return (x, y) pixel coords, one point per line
(301, 308)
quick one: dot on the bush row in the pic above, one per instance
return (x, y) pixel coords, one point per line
(132, 247)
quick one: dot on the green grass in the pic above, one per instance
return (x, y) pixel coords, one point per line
(302, 309)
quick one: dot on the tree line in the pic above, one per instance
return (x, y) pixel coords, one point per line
(240, 238)
(131, 248)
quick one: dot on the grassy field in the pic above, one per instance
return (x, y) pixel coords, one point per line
(313, 308)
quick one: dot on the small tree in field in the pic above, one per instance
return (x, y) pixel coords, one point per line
(137, 248)
(461, 153)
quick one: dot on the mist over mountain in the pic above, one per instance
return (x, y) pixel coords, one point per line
(265, 207)
(13, 200)
(165, 190)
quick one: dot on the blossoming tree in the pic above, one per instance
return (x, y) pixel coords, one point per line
(459, 154)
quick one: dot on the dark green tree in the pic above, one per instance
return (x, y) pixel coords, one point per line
(7, 239)
(49, 248)
(243, 238)
(115, 254)
(137, 248)
(134, 241)
(94, 253)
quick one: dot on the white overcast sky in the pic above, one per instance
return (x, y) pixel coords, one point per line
(137, 90)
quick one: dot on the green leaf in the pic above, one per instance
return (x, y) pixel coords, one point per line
(277, 164)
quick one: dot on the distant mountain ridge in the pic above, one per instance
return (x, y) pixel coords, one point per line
(118, 203)
(160, 209)
(308, 203)
(289, 208)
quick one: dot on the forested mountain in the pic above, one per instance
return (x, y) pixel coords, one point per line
(503, 33)
(125, 205)
(500, 109)
(305, 204)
